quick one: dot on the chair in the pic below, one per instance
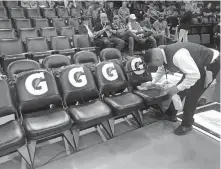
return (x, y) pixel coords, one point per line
(27, 33)
(11, 4)
(111, 80)
(3, 13)
(48, 32)
(74, 22)
(11, 50)
(86, 58)
(16, 13)
(62, 45)
(77, 85)
(38, 47)
(40, 23)
(111, 54)
(62, 12)
(7, 34)
(49, 13)
(76, 13)
(33, 13)
(37, 92)
(205, 35)
(22, 23)
(58, 22)
(195, 38)
(20, 66)
(67, 31)
(12, 134)
(5, 24)
(82, 42)
(54, 62)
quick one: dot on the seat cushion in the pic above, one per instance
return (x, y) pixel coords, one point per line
(89, 114)
(45, 123)
(151, 96)
(12, 137)
(124, 103)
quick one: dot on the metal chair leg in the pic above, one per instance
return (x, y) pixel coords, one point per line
(108, 125)
(101, 133)
(69, 138)
(23, 151)
(138, 118)
(31, 147)
(76, 134)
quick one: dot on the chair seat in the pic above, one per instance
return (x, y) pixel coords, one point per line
(90, 114)
(67, 51)
(46, 123)
(12, 137)
(151, 96)
(124, 103)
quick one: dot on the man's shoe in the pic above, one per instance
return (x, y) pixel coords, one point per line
(171, 118)
(182, 130)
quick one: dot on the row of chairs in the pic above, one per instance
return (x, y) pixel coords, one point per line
(18, 12)
(76, 100)
(39, 23)
(9, 4)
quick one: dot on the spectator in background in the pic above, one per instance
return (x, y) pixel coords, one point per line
(124, 12)
(185, 23)
(104, 35)
(208, 14)
(93, 12)
(216, 33)
(101, 8)
(146, 24)
(161, 27)
(110, 11)
(84, 28)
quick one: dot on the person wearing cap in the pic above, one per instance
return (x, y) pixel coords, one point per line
(199, 66)
(124, 12)
(145, 39)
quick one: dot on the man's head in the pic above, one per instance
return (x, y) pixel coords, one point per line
(103, 17)
(96, 5)
(101, 4)
(132, 18)
(111, 5)
(209, 5)
(154, 57)
(116, 19)
(161, 18)
(146, 17)
(124, 4)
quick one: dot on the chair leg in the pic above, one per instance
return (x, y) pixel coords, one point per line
(108, 125)
(138, 118)
(23, 151)
(31, 147)
(101, 133)
(76, 134)
(69, 138)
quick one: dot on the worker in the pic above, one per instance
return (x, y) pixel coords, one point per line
(199, 66)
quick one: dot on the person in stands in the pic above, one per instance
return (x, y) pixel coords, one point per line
(124, 12)
(208, 16)
(104, 35)
(199, 66)
(93, 12)
(110, 11)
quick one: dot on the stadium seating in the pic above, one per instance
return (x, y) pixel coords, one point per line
(75, 13)
(40, 23)
(33, 13)
(111, 80)
(12, 133)
(48, 32)
(82, 42)
(90, 112)
(11, 4)
(40, 120)
(58, 22)
(55, 62)
(3, 13)
(62, 12)
(111, 54)
(74, 22)
(22, 23)
(49, 13)
(66, 31)
(5, 24)
(27, 33)
(7, 34)
(16, 13)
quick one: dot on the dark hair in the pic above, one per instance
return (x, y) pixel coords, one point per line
(148, 56)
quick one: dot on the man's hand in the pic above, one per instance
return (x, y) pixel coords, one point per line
(172, 90)
(148, 85)
(113, 31)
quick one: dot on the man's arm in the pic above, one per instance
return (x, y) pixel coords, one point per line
(98, 30)
(159, 74)
(183, 60)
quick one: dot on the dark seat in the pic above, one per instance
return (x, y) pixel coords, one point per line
(27, 33)
(74, 22)
(62, 45)
(77, 85)
(62, 12)
(48, 32)
(5, 24)
(37, 90)
(12, 133)
(19, 66)
(75, 13)
(22, 23)
(7, 34)
(82, 42)
(49, 13)
(67, 31)
(111, 81)
(55, 62)
(40, 23)
(11, 4)
(58, 22)
(38, 47)
(33, 13)
(3, 13)
(16, 13)
(111, 54)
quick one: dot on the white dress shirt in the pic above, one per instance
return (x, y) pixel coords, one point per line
(183, 60)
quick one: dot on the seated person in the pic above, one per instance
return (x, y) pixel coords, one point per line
(104, 35)
(135, 27)
(208, 16)
(145, 24)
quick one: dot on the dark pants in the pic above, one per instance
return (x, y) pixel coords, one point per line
(105, 42)
(192, 96)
